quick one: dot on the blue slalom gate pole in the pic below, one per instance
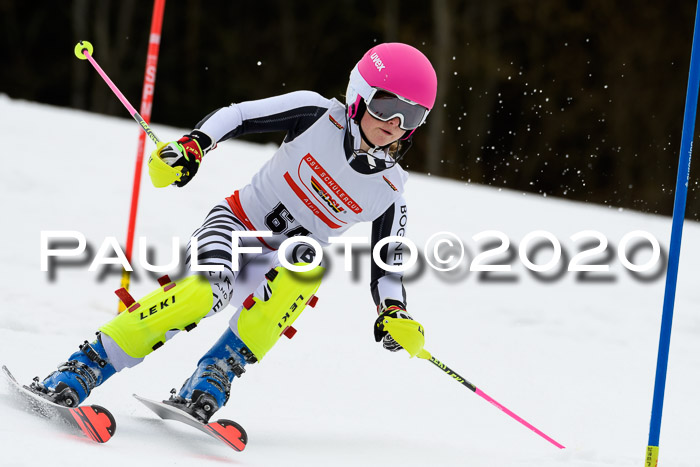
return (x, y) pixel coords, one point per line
(691, 104)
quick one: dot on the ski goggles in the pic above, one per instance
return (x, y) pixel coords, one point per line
(384, 106)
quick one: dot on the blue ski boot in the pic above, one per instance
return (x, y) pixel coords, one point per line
(75, 379)
(208, 389)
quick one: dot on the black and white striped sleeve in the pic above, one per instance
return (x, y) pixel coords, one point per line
(385, 284)
(293, 113)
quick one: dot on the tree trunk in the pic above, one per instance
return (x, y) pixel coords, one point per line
(80, 70)
(103, 53)
(391, 20)
(442, 55)
(481, 55)
(123, 44)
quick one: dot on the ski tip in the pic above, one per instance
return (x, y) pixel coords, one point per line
(9, 378)
(7, 372)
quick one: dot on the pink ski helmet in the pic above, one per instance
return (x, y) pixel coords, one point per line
(399, 70)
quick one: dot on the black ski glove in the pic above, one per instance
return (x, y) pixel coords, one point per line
(187, 152)
(393, 309)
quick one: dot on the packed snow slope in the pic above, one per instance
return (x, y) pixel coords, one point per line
(572, 353)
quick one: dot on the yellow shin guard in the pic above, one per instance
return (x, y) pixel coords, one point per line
(141, 328)
(262, 322)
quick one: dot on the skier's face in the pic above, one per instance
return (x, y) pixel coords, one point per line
(381, 133)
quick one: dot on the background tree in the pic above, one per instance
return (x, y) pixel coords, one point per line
(582, 100)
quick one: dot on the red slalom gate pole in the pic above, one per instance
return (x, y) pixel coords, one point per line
(149, 81)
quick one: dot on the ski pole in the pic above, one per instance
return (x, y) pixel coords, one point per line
(488, 398)
(83, 50)
(409, 335)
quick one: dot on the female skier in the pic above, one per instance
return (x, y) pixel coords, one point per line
(338, 165)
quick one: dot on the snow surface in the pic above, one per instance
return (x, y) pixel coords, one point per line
(574, 358)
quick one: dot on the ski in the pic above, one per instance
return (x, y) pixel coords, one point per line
(229, 432)
(93, 421)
